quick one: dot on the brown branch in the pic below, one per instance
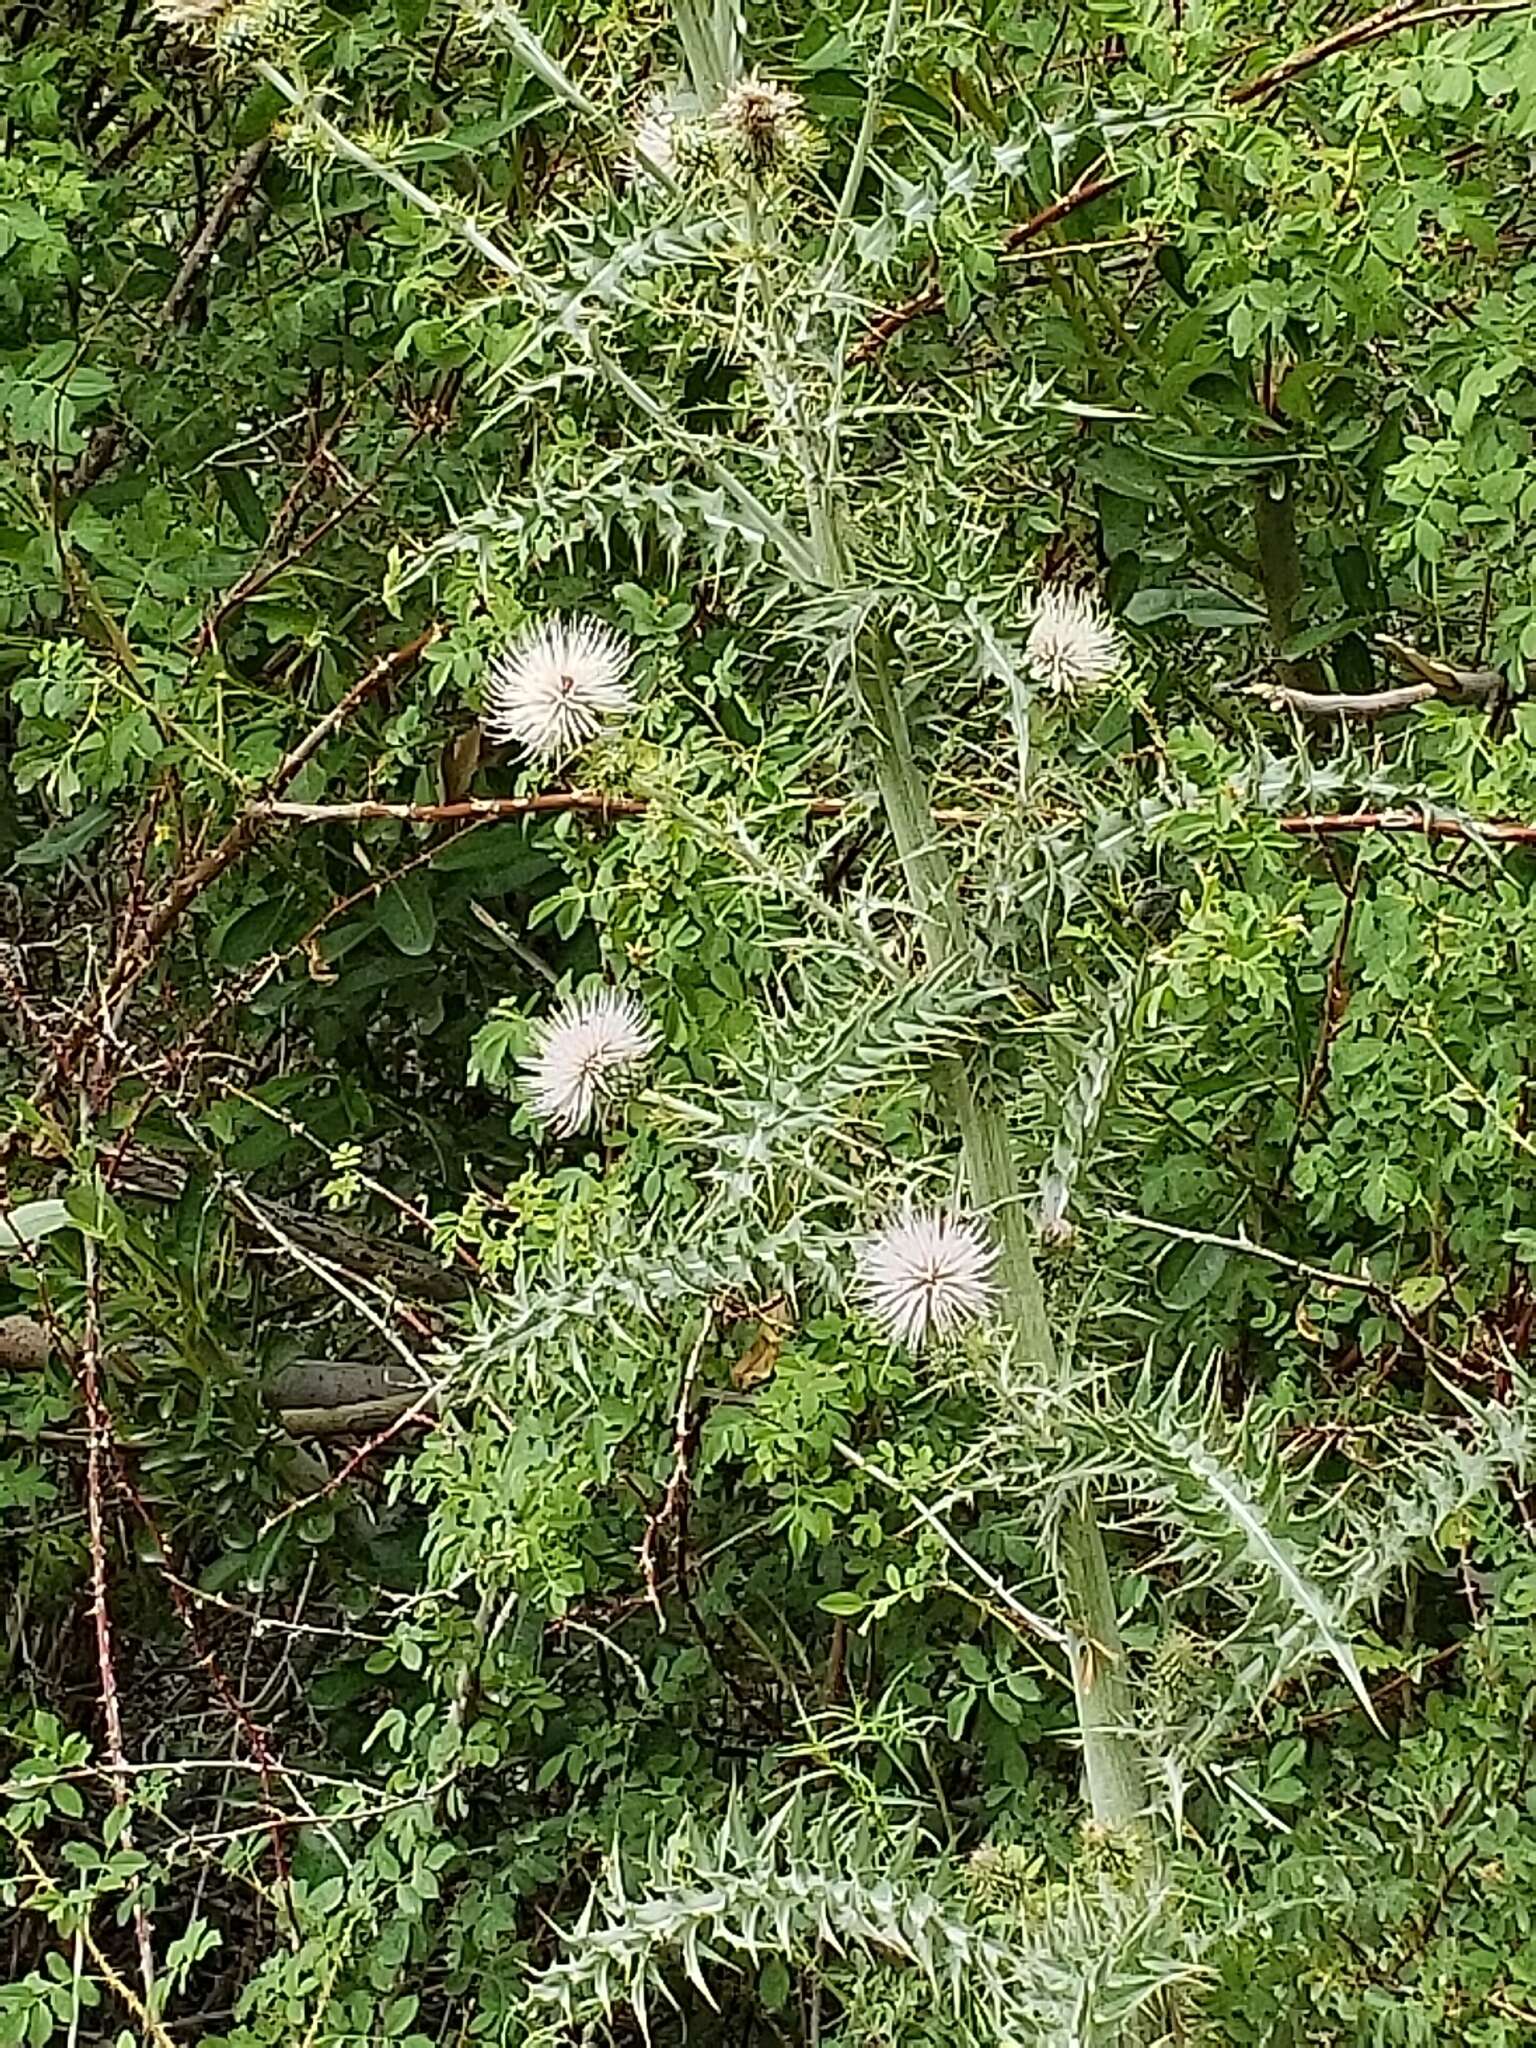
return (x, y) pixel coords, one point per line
(486, 809)
(268, 1764)
(260, 577)
(1424, 824)
(1335, 1003)
(154, 2032)
(133, 961)
(237, 189)
(422, 1409)
(188, 886)
(547, 803)
(99, 1455)
(891, 322)
(244, 175)
(593, 803)
(1369, 29)
(1432, 678)
(669, 1521)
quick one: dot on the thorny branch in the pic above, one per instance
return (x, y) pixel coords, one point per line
(1369, 29)
(99, 1456)
(101, 1018)
(264, 574)
(594, 804)
(244, 176)
(154, 2032)
(1425, 824)
(887, 325)
(266, 1762)
(669, 1522)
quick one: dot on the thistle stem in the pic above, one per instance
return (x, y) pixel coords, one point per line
(1111, 1767)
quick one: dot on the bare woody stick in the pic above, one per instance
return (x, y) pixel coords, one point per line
(244, 176)
(98, 1460)
(138, 955)
(593, 804)
(1369, 29)
(1420, 824)
(890, 323)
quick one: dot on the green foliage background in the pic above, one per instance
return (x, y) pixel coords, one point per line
(408, 1749)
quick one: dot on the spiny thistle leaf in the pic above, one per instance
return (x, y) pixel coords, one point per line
(1084, 1102)
(840, 1045)
(1221, 1483)
(823, 1891)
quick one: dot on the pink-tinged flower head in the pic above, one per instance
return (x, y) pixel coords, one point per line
(926, 1275)
(553, 688)
(587, 1059)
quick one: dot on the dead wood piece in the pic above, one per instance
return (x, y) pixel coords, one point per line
(354, 1420)
(24, 1344)
(1368, 29)
(343, 1383)
(1432, 678)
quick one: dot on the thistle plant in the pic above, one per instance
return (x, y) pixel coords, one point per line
(926, 1275)
(764, 1590)
(587, 1059)
(1072, 644)
(789, 329)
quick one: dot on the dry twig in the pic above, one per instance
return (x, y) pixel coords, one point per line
(1369, 29)
(243, 178)
(887, 325)
(99, 1457)
(101, 1019)
(1424, 824)
(262, 575)
(1432, 678)
(591, 803)
(669, 1522)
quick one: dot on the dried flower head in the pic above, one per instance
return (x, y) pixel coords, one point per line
(926, 1275)
(1057, 1233)
(1002, 1876)
(551, 690)
(231, 27)
(191, 17)
(1072, 642)
(587, 1060)
(761, 129)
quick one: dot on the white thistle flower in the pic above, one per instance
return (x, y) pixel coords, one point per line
(1072, 642)
(925, 1275)
(587, 1058)
(653, 140)
(552, 688)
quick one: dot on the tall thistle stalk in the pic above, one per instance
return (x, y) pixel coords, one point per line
(1111, 1765)
(819, 558)
(1112, 1770)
